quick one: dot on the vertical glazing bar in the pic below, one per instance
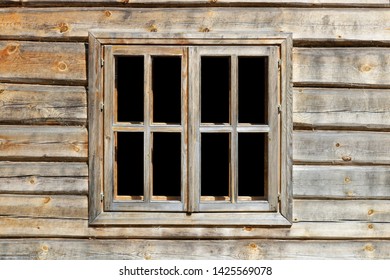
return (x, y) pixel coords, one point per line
(234, 135)
(184, 135)
(147, 135)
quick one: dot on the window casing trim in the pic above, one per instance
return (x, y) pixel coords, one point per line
(97, 214)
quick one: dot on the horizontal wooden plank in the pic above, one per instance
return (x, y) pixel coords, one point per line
(347, 66)
(340, 147)
(44, 177)
(36, 104)
(42, 61)
(45, 169)
(43, 142)
(192, 249)
(366, 24)
(78, 228)
(48, 206)
(342, 181)
(354, 3)
(341, 210)
(339, 66)
(341, 108)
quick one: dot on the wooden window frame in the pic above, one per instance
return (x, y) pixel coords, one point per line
(105, 209)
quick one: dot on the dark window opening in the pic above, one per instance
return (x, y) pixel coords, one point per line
(252, 168)
(252, 90)
(129, 156)
(215, 89)
(166, 77)
(130, 88)
(166, 164)
(215, 164)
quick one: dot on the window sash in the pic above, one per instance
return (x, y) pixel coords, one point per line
(113, 202)
(196, 128)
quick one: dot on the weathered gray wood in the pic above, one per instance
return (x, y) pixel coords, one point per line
(341, 210)
(78, 228)
(42, 61)
(43, 177)
(341, 108)
(34, 104)
(134, 249)
(48, 206)
(353, 3)
(339, 147)
(363, 182)
(348, 66)
(57, 62)
(95, 125)
(305, 24)
(43, 142)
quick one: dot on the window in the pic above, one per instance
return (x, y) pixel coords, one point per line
(189, 129)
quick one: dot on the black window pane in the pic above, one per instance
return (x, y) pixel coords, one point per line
(130, 163)
(130, 88)
(215, 89)
(252, 90)
(251, 164)
(166, 76)
(166, 164)
(215, 164)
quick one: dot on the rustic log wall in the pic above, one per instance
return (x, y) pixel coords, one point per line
(341, 139)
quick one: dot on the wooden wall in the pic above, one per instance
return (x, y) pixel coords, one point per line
(341, 140)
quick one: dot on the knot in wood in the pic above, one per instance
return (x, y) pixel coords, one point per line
(12, 48)
(204, 29)
(369, 248)
(64, 27)
(347, 180)
(107, 13)
(346, 158)
(371, 226)
(337, 145)
(62, 66)
(365, 68)
(153, 28)
(370, 212)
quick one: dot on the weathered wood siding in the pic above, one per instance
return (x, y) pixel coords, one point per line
(341, 115)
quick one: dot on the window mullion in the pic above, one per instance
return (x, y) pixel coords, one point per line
(193, 130)
(233, 135)
(148, 111)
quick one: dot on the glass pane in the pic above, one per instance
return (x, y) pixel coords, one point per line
(166, 76)
(130, 88)
(215, 164)
(252, 90)
(251, 164)
(215, 89)
(130, 163)
(167, 164)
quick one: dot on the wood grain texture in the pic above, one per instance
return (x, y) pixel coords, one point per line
(347, 66)
(353, 3)
(313, 24)
(43, 142)
(43, 178)
(342, 182)
(341, 147)
(48, 206)
(42, 61)
(192, 249)
(341, 108)
(78, 228)
(35, 104)
(341, 210)
(67, 62)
